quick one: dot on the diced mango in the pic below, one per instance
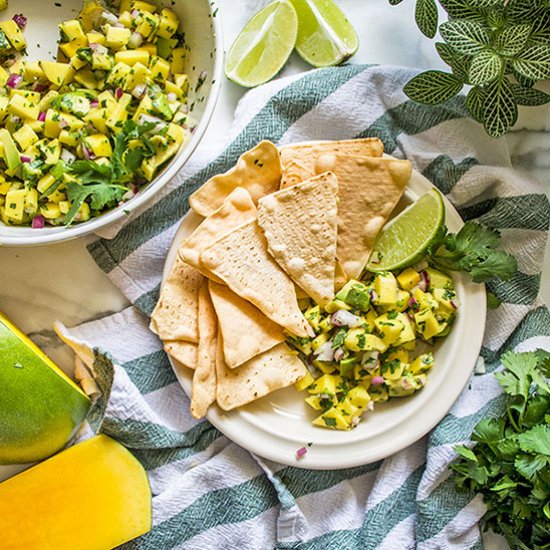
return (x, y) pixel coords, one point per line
(15, 204)
(99, 145)
(25, 137)
(304, 382)
(408, 278)
(57, 73)
(333, 419)
(131, 57)
(168, 23)
(21, 107)
(358, 340)
(13, 34)
(117, 37)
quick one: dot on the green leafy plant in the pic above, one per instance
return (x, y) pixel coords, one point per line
(472, 250)
(510, 461)
(500, 48)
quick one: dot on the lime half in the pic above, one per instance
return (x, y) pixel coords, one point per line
(404, 240)
(263, 46)
(325, 36)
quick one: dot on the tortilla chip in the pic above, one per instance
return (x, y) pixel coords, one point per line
(340, 277)
(275, 369)
(241, 260)
(182, 351)
(300, 225)
(298, 161)
(175, 315)
(246, 331)
(258, 171)
(204, 379)
(236, 209)
(368, 189)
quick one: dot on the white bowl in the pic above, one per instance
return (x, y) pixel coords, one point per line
(203, 34)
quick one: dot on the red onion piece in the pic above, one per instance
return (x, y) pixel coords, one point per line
(338, 354)
(42, 116)
(301, 452)
(24, 158)
(370, 360)
(425, 279)
(373, 295)
(38, 222)
(21, 20)
(412, 302)
(94, 103)
(454, 304)
(38, 87)
(325, 352)
(377, 380)
(343, 318)
(118, 93)
(88, 155)
(14, 81)
(370, 406)
(355, 420)
(136, 40)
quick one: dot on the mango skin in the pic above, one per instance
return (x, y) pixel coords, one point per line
(40, 407)
(92, 496)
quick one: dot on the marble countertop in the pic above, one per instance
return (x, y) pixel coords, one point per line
(41, 285)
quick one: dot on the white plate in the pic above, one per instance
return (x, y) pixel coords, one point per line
(203, 35)
(276, 426)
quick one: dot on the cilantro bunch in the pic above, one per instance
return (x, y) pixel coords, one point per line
(501, 48)
(104, 185)
(510, 462)
(472, 250)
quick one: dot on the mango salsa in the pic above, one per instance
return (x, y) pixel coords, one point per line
(372, 342)
(67, 124)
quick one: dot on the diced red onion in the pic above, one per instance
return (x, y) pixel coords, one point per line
(38, 222)
(136, 40)
(171, 97)
(159, 124)
(94, 103)
(66, 156)
(98, 48)
(63, 123)
(373, 296)
(301, 452)
(454, 304)
(42, 116)
(39, 87)
(118, 93)
(21, 20)
(134, 13)
(338, 354)
(139, 91)
(412, 302)
(14, 81)
(370, 360)
(343, 318)
(88, 155)
(110, 17)
(324, 352)
(355, 420)
(377, 380)
(370, 406)
(406, 384)
(425, 279)
(184, 108)
(24, 158)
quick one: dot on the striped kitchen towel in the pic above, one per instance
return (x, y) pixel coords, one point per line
(210, 493)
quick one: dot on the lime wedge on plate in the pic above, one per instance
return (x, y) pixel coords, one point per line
(404, 240)
(325, 36)
(263, 46)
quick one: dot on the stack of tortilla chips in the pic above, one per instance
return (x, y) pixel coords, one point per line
(282, 224)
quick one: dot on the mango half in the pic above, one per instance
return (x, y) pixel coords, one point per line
(93, 496)
(40, 407)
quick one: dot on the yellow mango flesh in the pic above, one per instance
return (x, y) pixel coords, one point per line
(93, 496)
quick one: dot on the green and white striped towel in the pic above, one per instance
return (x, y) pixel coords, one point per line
(208, 492)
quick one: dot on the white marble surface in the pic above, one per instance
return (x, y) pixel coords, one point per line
(40, 285)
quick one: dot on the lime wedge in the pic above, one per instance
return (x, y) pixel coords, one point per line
(325, 36)
(404, 240)
(263, 46)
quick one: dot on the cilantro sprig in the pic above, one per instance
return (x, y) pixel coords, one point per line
(472, 250)
(510, 462)
(104, 184)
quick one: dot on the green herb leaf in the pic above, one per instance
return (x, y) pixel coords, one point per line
(473, 250)
(493, 302)
(513, 39)
(466, 452)
(486, 66)
(500, 111)
(426, 17)
(529, 96)
(528, 465)
(536, 440)
(534, 62)
(474, 103)
(432, 87)
(467, 37)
